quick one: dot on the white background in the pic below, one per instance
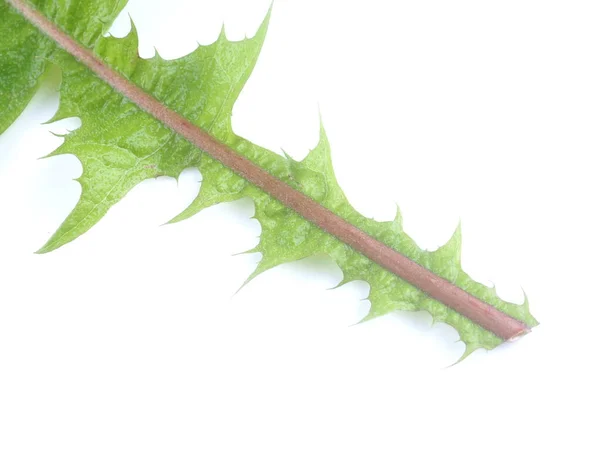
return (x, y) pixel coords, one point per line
(488, 112)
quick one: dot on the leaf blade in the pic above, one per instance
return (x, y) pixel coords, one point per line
(286, 235)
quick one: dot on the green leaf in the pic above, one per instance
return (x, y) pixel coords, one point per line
(119, 146)
(24, 51)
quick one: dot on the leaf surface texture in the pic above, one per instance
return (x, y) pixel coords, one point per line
(119, 146)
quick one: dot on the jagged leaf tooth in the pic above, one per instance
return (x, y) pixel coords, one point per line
(397, 224)
(218, 185)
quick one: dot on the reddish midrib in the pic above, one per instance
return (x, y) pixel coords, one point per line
(485, 315)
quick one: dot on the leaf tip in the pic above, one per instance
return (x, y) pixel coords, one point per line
(47, 248)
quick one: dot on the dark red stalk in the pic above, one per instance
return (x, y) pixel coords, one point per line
(499, 323)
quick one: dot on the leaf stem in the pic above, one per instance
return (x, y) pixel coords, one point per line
(483, 314)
